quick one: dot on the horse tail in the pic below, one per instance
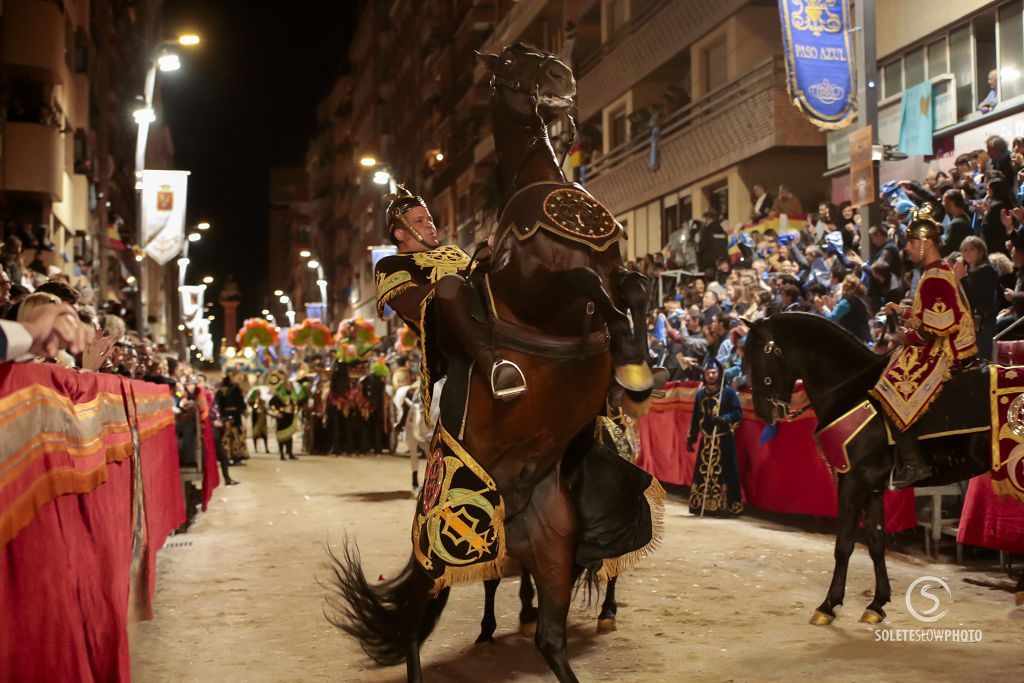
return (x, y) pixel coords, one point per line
(382, 617)
(587, 586)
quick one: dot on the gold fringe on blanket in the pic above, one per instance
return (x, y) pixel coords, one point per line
(613, 566)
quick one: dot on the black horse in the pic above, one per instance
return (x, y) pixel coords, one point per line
(528, 613)
(837, 371)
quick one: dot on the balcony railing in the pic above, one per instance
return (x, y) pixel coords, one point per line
(760, 78)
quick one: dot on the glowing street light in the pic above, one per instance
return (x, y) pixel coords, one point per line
(381, 177)
(439, 157)
(183, 261)
(146, 115)
(130, 279)
(208, 280)
(314, 264)
(168, 62)
(188, 39)
(283, 299)
(368, 161)
(278, 292)
(181, 328)
(203, 226)
(194, 237)
(264, 312)
(305, 253)
(321, 283)
(210, 317)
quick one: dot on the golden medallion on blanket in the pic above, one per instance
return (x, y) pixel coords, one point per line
(575, 214)
(458, 534)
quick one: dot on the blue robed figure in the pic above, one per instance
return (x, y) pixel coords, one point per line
(716, 474)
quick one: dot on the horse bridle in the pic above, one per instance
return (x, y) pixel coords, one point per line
(769, 349)
(532, 88)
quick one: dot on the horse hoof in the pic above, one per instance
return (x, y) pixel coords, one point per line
(528, 629)
(1019, 598)
(870, 616)
(484, 640)
(606, 625)
(819, 618)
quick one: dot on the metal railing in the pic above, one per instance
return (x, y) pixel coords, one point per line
(761, 77)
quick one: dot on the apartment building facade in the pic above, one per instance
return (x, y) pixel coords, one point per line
(707, 74)
(67, 143)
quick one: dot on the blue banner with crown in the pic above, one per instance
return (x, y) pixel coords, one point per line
(819, 61)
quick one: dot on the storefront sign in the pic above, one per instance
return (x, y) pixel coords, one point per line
(819, 57)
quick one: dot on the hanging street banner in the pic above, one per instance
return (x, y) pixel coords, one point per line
(163, 214)
(819, 60)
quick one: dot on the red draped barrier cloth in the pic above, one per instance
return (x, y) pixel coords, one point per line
(989, 520)
(785, 474)
(66, 516)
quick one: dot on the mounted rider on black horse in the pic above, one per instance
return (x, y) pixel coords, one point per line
(937, 341)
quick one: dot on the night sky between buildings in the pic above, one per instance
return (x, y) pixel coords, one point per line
(244, 101)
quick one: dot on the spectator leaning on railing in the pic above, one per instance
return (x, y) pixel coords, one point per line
(44, 331)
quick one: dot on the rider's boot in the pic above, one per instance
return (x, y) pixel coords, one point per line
(455, 300)
(910, 465)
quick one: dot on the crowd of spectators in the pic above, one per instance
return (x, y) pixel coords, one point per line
(718, 279)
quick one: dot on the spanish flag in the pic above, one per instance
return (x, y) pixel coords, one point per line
(114, 237)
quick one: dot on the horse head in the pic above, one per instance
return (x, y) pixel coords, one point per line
(771, 379)
(529, 86)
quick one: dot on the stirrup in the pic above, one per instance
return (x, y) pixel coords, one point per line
(511, 392)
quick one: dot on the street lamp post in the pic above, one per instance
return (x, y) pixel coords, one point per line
(290, 312)
(164, 61)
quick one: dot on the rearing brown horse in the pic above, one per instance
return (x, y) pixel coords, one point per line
(556, 294)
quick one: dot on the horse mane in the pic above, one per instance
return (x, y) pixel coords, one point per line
(828, 332)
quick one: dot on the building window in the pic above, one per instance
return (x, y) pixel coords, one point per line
(892, 79)
(1011, 50)
(938, 64)
(913, 68)
(718, 199)
(616, 15)
(716, 72)
(618, 127)
(961, 66)
(984, 53)
(685, 210)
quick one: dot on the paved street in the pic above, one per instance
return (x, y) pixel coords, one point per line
(723, 600)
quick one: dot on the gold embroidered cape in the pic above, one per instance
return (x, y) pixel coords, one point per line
(941, 334)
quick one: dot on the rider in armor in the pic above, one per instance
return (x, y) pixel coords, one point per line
(424, 278)
(936, 337)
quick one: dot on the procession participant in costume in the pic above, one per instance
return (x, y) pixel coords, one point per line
(372, 385)
(231, 406)
(936, 337)
(284, 408)
(716, 475)
(257, 402)
(425, 276)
